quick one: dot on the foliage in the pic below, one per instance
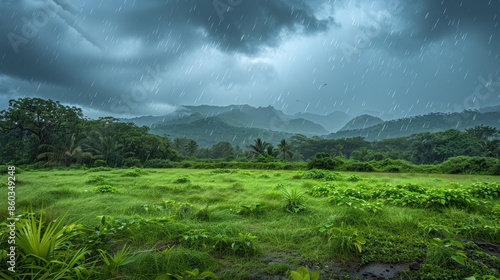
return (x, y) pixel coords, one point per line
(324, 161)
(396, 214)
(354, 178)
(105, 189)
(188, 274)
(158, 163)
(96, 180)
(113, 262)
(445, 253)
(182, 180)
(294, 200)
(241, 245)
(47, 251)
(320, 174)
(303, 273)
(344, 240)
(251, 209)
(485, 190)
(321, 190)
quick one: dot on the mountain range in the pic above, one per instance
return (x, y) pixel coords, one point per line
(241, 124)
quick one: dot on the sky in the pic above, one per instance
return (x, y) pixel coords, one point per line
(126, 58)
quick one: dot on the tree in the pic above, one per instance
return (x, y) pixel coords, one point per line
(222, 150)
(40, 117)
(66, 154)
(186, 147)
(285, 149)
(258, 148)
(483, 132)
(37, 125)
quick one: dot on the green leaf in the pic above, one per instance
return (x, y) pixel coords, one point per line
(458, 259)
(296, 276)
(315, 275)
(193, 272)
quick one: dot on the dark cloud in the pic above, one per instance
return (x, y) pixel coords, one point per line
(99, 49)
(423, 22)
(142, 57)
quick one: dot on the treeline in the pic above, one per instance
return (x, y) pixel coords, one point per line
(44, 133)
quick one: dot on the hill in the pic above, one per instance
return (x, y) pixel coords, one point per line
(331, 122)
(208, 131)
(361, 122)
(244, 116)
(271, 119)
(433, 122)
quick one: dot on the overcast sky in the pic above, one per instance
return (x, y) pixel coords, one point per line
(131, 57)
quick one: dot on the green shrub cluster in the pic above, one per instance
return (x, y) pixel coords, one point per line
(412, 195)
(241, 245)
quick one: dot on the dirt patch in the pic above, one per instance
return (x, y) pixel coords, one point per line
(382, 270)
(489, 248)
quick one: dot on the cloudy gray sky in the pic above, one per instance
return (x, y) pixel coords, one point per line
(131, 57)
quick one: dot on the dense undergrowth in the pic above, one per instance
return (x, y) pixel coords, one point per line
(105, 223)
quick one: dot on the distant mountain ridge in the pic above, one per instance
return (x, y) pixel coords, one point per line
(211, 130)
(432, 122)
(361, 122)
(331, 122)
(238, 124)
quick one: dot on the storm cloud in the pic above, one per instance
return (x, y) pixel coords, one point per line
(128, 58)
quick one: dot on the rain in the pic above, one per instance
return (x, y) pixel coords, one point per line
(391, 59)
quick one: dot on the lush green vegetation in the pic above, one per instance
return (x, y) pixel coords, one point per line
(45, 133)
(104, 199)
(135, 223)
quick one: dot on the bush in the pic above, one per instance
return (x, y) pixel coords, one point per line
(99, 163)
(182, 180)
(105, 189)
(321, 191)
(320, 174)
(132, 162)
(470, 165)
(158, 163)
(325, 161)
(359, 167)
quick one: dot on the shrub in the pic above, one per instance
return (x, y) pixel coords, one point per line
(485, 190)
(158, 163)
(98, 180)
(99, 163)
(252, 209)
(136, 172)
(325, 161)
(132, 162)
(294, 201)
(182, 180)
(242, 245)
(321, 191)
(470, 165)
(47, 251)
(359, 167)
(354, 178)
(105, 189)
(345, 240)
(320, 174)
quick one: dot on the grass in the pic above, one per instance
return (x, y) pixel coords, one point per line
(277, 212)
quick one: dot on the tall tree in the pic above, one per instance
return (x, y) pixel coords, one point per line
(285, 149)
(258, 148)
(49, 122)
(222, 150)
(42, 118)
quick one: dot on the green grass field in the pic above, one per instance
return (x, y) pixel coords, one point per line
(257, 224)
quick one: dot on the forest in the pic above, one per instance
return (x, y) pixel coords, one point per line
(44, 133)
